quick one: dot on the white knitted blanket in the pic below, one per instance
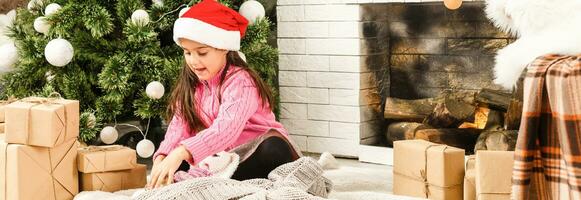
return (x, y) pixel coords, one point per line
(301, 179)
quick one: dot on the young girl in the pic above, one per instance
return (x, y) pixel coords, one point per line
(218, 103)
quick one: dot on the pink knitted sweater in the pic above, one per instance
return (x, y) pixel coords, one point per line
(237, 119)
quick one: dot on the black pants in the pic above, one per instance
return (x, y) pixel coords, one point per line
(270, 154)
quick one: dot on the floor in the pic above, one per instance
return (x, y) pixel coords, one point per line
(355, 180)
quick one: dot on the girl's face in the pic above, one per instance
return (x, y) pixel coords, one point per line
(203, 60)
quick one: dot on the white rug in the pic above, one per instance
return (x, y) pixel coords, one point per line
(352, 181)
(355, 182)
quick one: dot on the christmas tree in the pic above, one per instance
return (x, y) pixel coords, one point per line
(105, 53)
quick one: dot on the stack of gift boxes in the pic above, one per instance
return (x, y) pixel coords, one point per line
(39, 149)
(38, 153)
(441, 172)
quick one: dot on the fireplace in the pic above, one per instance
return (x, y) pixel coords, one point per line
(340, 61)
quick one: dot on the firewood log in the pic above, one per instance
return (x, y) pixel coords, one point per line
(460, 138)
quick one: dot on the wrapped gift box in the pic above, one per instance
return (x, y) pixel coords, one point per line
(32, 173)
(427, 170)
(106, 158)
(470, 179)
(494, 174)
(115, 180)
(41, 121)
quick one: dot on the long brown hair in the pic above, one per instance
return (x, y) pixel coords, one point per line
(182, 99)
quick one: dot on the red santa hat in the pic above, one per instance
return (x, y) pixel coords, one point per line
(213, 24)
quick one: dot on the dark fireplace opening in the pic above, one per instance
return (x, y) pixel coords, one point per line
(435, 61)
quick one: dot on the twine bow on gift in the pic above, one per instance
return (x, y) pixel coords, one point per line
(424, 172)
(51, 99)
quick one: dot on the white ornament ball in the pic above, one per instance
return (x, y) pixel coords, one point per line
(140, 17)
(59, 52)
(252, 10)
(155, 90)
(242, 55)
(183, 11)
(158, 3)
(51, 8)
(41, 26)
(8, 56)
(109, 135)
(145, 148)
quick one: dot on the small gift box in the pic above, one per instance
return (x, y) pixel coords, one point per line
(106, 158)
(428, 170)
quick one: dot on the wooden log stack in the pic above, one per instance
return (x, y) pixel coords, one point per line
(487, 119)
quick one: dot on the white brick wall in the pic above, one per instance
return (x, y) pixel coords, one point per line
(344, 29)
(336, 146)
(332, 13)
(318, 96)
(293, 94)
(293, 111)
(347, 64)
(303, 63)
(353, 97)
(306, 127)
(290, 13)
(292, 46)
(325, 101)
(303, 29)
(345, 130)
(333, 46)
(292, 78)
(334, 113)
(348, 97)
(333, 80)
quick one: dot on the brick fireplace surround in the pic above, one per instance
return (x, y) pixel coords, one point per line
(339, 58)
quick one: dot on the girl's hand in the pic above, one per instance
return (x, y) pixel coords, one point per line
(162, 172)
(155, 166)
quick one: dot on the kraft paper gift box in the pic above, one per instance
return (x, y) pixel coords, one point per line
(427, 170)
(494, 174)
(106, 158)
(470, 179)
(32, 173)
(41, 121)
(115, 180)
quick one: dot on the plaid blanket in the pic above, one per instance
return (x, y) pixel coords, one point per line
(548, 150)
